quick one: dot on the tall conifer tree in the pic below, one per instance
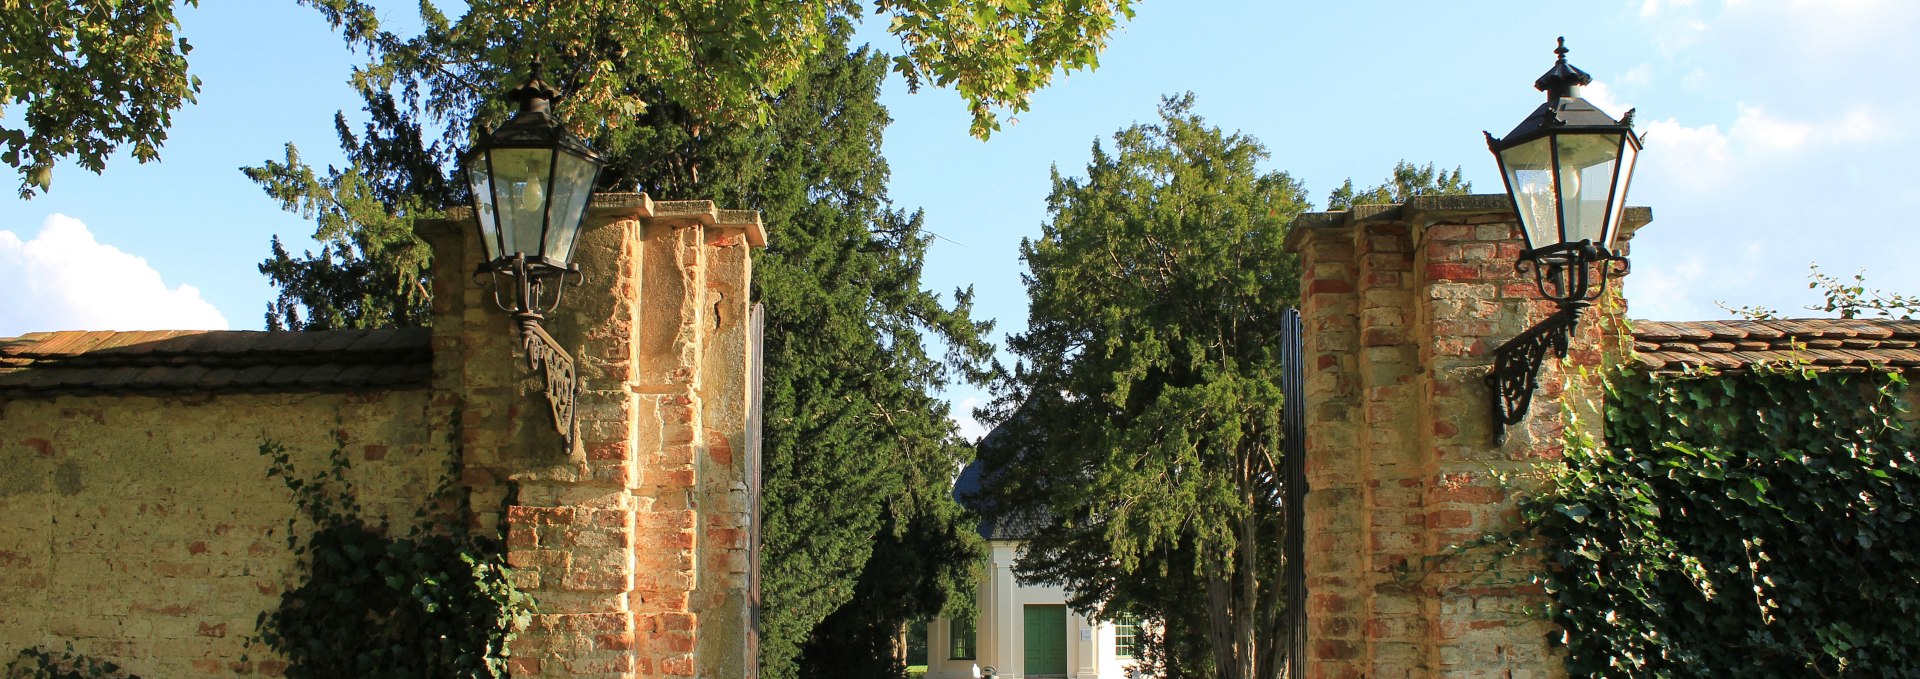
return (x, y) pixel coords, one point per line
(1146, 404)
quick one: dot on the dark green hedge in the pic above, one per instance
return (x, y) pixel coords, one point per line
(1752, 524)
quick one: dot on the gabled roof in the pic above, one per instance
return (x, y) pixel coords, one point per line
(171, 361)
(1815, 343)
(967, 489)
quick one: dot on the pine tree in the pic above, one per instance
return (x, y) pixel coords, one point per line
(371, 270)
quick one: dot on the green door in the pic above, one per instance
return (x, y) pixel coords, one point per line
(1046, 641)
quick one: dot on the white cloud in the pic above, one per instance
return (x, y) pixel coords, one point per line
(1689, 156)
(1665, 291)
(1654, 8)
(1860, 125)
(1758, 141)
(1602, 96)
(1759, 131)
(1675, 25)
(1638, 76)
(64, 279)
(962, 416)
(1763, 131)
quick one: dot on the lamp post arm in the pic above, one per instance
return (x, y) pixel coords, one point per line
(1516, 366)
(543, 352)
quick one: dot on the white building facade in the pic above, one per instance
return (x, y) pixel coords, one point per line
(1024, 630)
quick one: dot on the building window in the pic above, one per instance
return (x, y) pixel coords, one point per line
(1126, 636)
(960, 639)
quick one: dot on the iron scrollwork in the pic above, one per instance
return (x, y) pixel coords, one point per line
(1516, 367)
(546, 355)
(533, 287)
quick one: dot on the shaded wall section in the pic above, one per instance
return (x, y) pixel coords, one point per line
(137, 520)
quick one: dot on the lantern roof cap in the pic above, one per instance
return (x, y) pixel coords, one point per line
(1564, 110)
(1573, 114)
(1560, 81)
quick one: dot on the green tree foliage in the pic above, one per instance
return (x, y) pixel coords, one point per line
(1408, 180)
(91, 75)
(721, 60)
(95, 74)
(858, 457)
(1751, 524)
(1144, 412)
(858, 639)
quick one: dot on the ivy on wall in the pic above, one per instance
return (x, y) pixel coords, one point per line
(435, 601)
(1752, 524)
(39, 662)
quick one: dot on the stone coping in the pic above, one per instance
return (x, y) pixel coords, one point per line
(1427, 211)
(639, 205)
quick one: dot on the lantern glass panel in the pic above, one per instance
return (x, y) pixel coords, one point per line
(1586, 184)
(1529, 169)
(1617, 206)
(483, 205)
(520, 185)
(573, 177)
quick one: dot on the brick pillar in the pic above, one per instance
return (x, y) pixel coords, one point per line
(631, 542)
(1403, 306)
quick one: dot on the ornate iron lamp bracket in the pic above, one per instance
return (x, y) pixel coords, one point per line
(527, 284)
(1516, 366)
(546, 355)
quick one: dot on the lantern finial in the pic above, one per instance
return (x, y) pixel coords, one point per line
(535, 95)
(1563, 79)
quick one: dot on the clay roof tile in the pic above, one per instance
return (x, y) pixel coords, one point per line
(1818, 343)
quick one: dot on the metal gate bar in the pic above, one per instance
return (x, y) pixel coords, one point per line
(1293, 413)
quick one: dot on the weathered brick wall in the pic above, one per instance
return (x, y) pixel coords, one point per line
(634, 542)
(144, 530)
(1403, 307)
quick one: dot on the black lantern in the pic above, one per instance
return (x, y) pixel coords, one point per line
(531, 180)
(1566, 167)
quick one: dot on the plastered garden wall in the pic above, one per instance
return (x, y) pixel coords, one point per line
(1403, 307)
(144, 530)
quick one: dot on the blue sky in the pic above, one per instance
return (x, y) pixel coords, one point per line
(1778, 134)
